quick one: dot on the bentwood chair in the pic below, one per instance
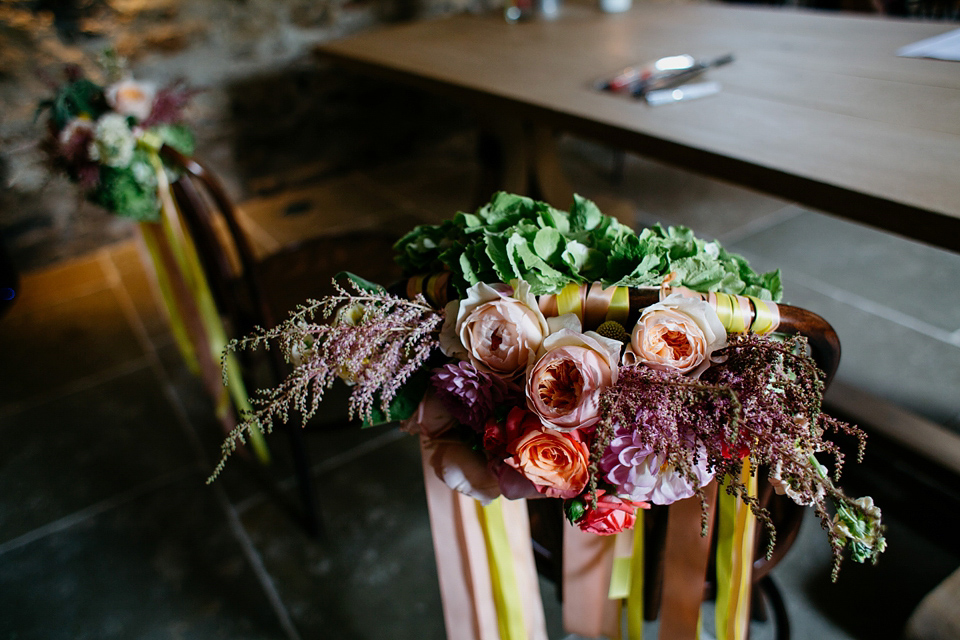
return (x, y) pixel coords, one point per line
(249, 292)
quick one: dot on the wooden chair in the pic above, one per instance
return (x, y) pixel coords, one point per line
(547, 518)
(249, 292)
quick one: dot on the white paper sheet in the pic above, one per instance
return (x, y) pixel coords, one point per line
(945, 46)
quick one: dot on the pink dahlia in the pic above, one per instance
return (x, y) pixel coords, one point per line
(470, 394)
(643, 474)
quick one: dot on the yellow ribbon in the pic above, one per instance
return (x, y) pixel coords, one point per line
(735, 560)
(506, 593)
(767, 317)
(619, 306)
(635, 597)
(568, 301)
(188, 263)
(148, 231)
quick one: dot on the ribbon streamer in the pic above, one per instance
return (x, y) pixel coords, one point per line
(587, 563)
(195, 320)
(685, 560)
(485, 565)
(734, 561)
(506, 594)
(635, 597)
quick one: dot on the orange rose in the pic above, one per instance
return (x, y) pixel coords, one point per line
(555, 462)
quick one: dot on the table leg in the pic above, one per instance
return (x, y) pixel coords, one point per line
(521, 157)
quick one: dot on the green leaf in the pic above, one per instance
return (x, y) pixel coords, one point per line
(548, 243)
(405, 402)
(496, 248)
(584, 214)
(362, 283)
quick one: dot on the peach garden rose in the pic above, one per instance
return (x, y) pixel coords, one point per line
(132, 98)
(496, 329)
(676, 334)
(563, 386)
(555, 462)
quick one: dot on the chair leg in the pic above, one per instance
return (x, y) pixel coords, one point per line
(312, 521)
(779, 610)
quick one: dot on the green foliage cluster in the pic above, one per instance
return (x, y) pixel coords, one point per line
(518, 237)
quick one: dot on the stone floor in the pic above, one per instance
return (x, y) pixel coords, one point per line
(107, 529)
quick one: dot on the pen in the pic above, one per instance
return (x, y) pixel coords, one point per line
(667, 80)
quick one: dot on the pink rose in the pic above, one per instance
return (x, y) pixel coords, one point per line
(676, 334)
(556, 463)
(564, 385)
(611, 515)
(498, 332)
(132, 98)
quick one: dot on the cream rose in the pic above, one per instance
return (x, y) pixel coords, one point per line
(676, 334)
(131, 98)
(563, 386)
(498, 332)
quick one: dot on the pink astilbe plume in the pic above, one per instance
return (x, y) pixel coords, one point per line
(764, 401)
(374, 340)
(169, 103)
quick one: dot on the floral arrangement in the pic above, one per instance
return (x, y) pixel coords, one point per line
(105, 138)
(520, 389)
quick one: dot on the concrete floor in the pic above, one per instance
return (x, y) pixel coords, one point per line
(108, 531)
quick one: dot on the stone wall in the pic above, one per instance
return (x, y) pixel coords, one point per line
(268, 111)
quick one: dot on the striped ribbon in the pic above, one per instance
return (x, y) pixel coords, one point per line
(433, 287)
(738, 314)
(591, 303)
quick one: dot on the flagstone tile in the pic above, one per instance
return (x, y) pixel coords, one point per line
(911, 278)
(327, 439)
(377, 576)
(336, 205)
(163, 566)
(376, 573)
(51, 285)
(659, 192)
(861, 604)
(136, 281)
(45, 348)
(76, 450)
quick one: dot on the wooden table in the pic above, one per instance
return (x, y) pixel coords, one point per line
(816, 109)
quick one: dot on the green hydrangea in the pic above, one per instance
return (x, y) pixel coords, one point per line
(518, 237)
